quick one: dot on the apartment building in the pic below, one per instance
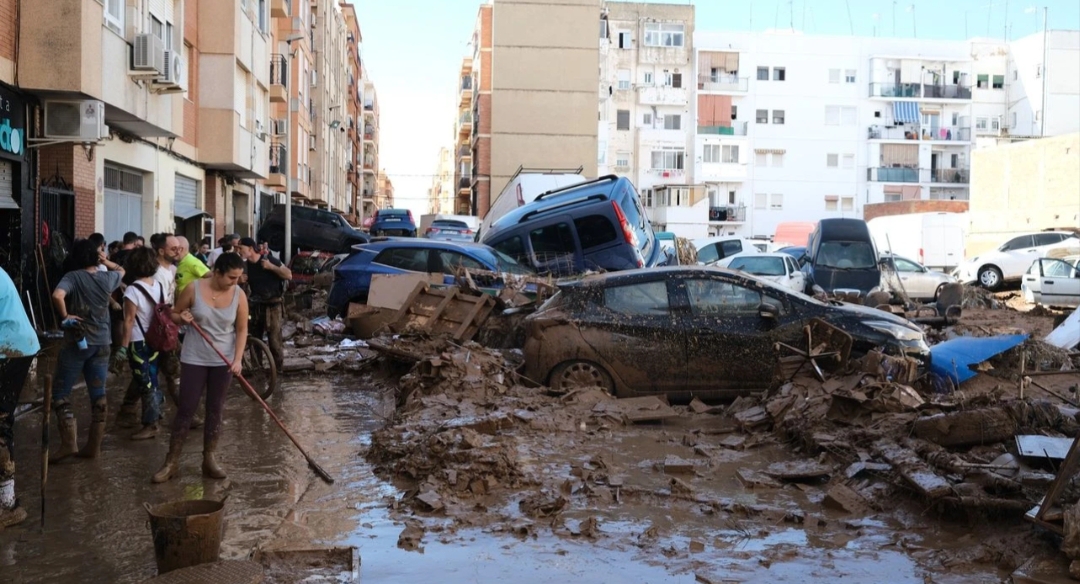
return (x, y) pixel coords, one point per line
(463, 134)
(442, 194)
(370, 166)
(385, 197)
(480, 134)
(354, 99)
(327, 102)
(17, 169)
(646, 111)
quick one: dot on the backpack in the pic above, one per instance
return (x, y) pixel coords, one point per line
(162, 334)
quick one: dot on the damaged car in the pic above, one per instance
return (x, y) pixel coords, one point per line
(687, 331)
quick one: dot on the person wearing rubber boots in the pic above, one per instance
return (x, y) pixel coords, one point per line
(18, 346)
(266, 281)
(143, 292)
(81, 300)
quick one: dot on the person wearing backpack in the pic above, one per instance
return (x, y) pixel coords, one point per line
(140, 299)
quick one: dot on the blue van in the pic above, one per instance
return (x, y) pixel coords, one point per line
(595, 225)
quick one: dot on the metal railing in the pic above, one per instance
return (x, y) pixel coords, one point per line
(898, 175)
(464, 182)
(279, 158)
(732, 129)
(709, 82)
(920, 90)
(950, 175)
(279, 69)
(917, 132)
(730, 213)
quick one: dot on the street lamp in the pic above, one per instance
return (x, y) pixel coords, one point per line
(287, 252)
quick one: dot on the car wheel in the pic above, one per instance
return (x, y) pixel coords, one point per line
(572, 374)
(990, 277)
(938, 291)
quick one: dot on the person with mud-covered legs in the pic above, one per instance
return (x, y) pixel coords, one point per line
(81, 300)
(220, 308)
(18, 346)
(142, 294)
(266, 281)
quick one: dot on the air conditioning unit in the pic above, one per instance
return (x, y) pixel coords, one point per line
(174, 79)
(279, 127)
(149, 54)
(311, 143)
(78, 121)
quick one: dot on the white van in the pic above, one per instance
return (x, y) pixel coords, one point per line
(935, 240)
(524, 187)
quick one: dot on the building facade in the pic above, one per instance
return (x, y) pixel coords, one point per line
(354, 100)
(480, 134)
(442, 194)
(463, 137)
(370, 161)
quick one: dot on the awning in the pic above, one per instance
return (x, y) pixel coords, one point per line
(905, 112)
(769, 150)
(185, 213)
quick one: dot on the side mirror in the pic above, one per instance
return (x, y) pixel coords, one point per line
(768, 311)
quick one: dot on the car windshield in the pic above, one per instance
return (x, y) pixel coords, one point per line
(846, 255)
(450, 224)
(510, 265)
(769, 266)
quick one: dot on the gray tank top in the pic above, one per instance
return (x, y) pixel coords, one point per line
(218, 323)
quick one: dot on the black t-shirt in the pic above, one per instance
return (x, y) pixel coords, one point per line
(262, 283)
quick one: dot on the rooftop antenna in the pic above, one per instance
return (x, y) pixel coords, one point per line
(791, 14)
(851, 23)
(914, 32)
(1006, 39)
(894, 18)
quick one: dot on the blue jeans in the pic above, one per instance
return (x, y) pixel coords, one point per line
(144, 376)
(92, 362)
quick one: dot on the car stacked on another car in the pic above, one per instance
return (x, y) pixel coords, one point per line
(393, 222)
(1012, 259)
(352, 277)
(449, 230)
(312, 229)
(779, 268)
(688, 331)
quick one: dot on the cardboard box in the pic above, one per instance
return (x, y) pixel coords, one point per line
(390, 290)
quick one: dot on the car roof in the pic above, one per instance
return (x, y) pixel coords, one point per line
(834, 227)
(770, 254)
(563, 199)
(718, 239)
(645, 274)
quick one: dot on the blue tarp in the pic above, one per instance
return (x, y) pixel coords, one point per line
(906, 112)
(953, 359)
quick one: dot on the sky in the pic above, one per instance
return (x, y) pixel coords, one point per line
(413, 49)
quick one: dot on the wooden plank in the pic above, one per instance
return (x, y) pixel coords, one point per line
(403, 312)
(914, 470)
(469, 320)
(1063, 479)
(967, 428)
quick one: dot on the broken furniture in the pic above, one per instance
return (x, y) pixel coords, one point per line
(827, 346)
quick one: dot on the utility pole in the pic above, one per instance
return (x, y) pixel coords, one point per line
(286, 254)
(1045, 72)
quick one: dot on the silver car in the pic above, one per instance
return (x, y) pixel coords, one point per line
(450, 230)
(918, 281)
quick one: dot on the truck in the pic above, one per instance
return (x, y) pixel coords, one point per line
(524, 187)
(935, 240)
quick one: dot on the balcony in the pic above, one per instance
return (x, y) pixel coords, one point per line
(369, 165)
(279, 160)
(732, 129)
(919, 91)
(661, 95)
(279, 79)
(280, 8)
(464, 183)
(464, 151)
(727, 214)
(950, 175)
(923, 133)
(369, 134)
(898, 175)
(723, 83)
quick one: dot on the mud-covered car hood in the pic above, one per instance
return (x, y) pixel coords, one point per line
(867, 313)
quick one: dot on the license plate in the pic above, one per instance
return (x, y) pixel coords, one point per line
(392, 219)
(453, 231)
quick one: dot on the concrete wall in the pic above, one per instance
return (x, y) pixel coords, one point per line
(543, 80)
(7, 40)
(1023, 187)
(875, 210)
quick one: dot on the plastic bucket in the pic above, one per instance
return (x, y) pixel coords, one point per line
(186, 533)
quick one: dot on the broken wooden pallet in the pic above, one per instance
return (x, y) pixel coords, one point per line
(443, 311)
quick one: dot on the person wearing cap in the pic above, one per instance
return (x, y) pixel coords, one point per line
(266, 282)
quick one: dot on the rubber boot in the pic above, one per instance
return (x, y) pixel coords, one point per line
(99, 412)
(65, 421)
(128, 416)
(172, 462)
(9, 517)
(210, 466)
(146, 433)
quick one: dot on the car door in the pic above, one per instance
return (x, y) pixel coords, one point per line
(330, 231)
(796, 279)
(305, 229)
(729, 345)
(1059, 283)
(555, 248)
(917, 282)
(634, 332)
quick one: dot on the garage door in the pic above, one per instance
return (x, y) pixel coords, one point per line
(123, 202)
(7, 190)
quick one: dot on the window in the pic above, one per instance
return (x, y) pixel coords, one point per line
(644, 299)
(995, 124)
(114, 15)
(848, 116)
(763, 73)
(169, 37)
(761, 159)
(673, 122)
(776, 202)
(847, 203)
(834, 76)
(998, 82)
(982, 81)
(676, 80)
(450, 261)
(831, 203)
(981, 123)
(903, 265)
(832, 160)
(664, 35)
(1016, 74)
(622, 159)
(668, 159)
(157, 28)
(552, 242)
(778, 117)
(594, 230)
(713, 297)
(761, 201)
(411, 259)
(849, 161)
(623, 120)
(832, 115)
(731, 197)
(1022, 242)
(734, 112)
(849, 76)
(646, 119)
(624, 79)
(1048, 238)
(779, 74)
(648, 78)
(624, 40)
(514, 248)
(762, 116)
(711, 153)
(262, 16)
(730, 154)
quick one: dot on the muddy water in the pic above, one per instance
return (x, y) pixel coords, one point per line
(96, 529)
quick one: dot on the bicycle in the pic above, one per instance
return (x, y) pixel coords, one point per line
(258, 367)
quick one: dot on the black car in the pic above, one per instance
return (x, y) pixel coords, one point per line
(841, 258)
(688, 331)
(312, 229)
(393, 222)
